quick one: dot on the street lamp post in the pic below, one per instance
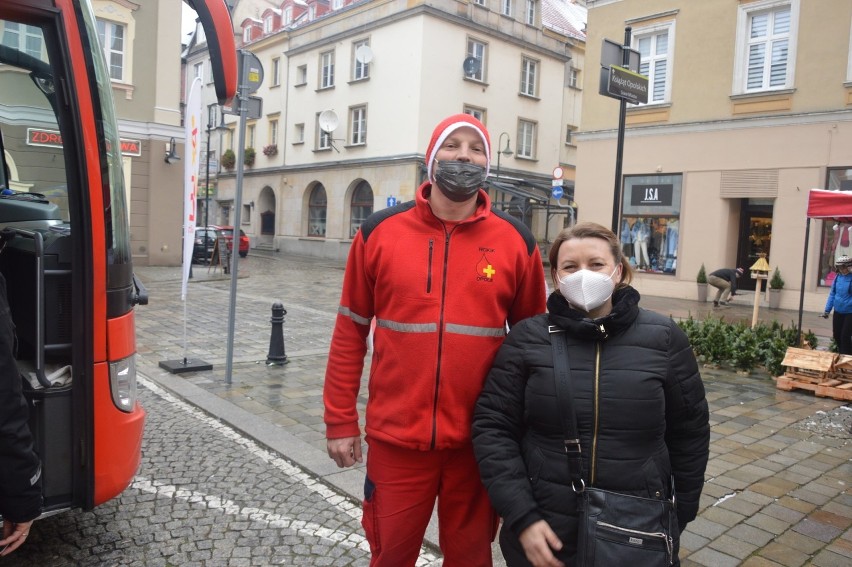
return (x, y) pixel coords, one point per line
(506, 151)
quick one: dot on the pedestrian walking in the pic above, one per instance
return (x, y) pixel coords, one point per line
(840, 301)
(725, 282)
(20, 469)
(442, 276)
(638, 399)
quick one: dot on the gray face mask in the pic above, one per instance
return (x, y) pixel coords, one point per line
(458, 180)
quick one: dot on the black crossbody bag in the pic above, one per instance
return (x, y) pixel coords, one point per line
(614, 528)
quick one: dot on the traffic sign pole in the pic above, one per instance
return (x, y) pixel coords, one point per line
(619, 151)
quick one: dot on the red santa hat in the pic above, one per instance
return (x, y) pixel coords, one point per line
(447, 127)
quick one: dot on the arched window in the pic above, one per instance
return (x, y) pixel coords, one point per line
(316, 211)
(362, 206)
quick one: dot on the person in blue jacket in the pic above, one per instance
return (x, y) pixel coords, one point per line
(840, 300)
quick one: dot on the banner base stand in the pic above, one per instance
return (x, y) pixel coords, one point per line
(185, 365)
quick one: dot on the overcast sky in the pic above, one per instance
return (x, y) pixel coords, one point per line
(187, 20)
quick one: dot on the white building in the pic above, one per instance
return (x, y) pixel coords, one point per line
(386, 72)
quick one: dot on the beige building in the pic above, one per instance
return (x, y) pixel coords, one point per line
(748, 108)
(142, 51)
(378, 75)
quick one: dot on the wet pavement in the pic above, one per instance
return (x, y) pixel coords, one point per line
(777, 485)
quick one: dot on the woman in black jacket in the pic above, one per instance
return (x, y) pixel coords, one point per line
(20, 469)
(639, 400)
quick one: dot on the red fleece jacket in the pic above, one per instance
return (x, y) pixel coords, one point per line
(441, 296)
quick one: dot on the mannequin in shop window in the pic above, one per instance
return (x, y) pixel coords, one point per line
(641, 233)
(626, 237)
(842, 241)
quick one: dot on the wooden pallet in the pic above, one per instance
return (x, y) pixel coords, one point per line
(806, 365)
(837, 389)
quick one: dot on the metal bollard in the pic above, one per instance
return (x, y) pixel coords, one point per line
(276, 355)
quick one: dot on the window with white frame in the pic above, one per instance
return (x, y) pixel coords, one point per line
(849, 60)
(477, 50)
(317, 207)
(323, 137)
(506, 7)
(360, 66)
(574, 78)
(273, 132)
(655, 46)
(23, 38)
(526, 139)
(475, 111)
(301, 75)
(288, 15)
(336, 4)
(247, 34)
(569, 135)
(250, 131)
(766, 45)
(530, 12)
(326, 69)
(358, 125)
(299, 133)
(361, 206)
(112, 35)
(267, 24)
(276, 71)
(198, 70)
(529, 76)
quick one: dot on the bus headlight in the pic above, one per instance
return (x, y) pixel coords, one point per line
(122, 383)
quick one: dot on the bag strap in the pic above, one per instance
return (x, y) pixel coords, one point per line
(565, 402)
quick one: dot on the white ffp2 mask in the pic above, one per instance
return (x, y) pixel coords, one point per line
(587, 290)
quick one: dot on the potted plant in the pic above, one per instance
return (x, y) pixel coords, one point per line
(270, 150)
(229, 159)
(248, 156)
(776, 284)
(701, 279)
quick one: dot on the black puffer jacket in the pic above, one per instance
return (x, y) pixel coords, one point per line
(641, 414)
(20, 470)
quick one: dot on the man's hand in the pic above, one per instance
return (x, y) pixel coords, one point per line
(824, 315)
(345, 451)
(537, 540)
(14, 536)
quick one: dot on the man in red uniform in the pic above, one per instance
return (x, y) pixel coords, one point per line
(442, 276)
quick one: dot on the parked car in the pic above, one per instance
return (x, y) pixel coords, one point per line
(201, 251)
(228, 233)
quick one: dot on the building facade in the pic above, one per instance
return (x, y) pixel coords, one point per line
(748, 108)
(352, 91)
(142, 48)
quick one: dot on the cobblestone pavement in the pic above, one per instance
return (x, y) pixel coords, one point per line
(777, 486)
(205, 495)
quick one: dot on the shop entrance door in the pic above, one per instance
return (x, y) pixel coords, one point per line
(755, 237)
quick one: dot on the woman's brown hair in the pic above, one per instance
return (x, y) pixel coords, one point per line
(592, 230)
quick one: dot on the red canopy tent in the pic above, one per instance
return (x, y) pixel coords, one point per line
(822, 204)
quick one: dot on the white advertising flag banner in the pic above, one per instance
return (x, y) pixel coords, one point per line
(192, 156)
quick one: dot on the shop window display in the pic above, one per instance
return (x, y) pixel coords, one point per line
(836, 234)
(650, 243)
(649, 230)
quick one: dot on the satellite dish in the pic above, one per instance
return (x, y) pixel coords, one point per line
(471, 66)
(364, 54)
(328, 121)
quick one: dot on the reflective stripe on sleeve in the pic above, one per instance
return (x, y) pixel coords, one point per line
(476, 331)
(345, 311)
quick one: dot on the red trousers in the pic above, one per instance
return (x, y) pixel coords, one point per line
(399, 496)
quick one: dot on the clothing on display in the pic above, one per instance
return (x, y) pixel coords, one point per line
(654, 243)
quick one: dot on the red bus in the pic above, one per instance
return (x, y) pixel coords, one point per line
(66, 257)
